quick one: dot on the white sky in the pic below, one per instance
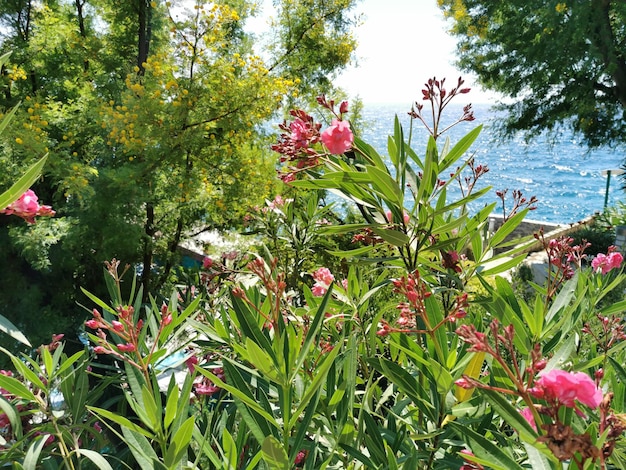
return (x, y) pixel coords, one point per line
(402, 43)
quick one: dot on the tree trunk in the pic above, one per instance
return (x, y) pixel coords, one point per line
(144, 34)
(148, 251)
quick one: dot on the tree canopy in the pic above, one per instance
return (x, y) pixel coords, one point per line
(154, 117)
(562, 62)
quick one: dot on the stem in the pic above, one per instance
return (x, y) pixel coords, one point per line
(65, 452)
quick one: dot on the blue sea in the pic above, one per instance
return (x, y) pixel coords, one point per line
(560, 171)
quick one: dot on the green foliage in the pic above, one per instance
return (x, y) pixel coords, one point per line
(399, 361)
(154, 119)
(509, 46)
(599, 238)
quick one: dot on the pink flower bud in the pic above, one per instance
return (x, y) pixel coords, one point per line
(117, 326)
(128, 347)
(93, 324)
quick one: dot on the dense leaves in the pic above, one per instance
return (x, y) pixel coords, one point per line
(153, 116)
(561, 63)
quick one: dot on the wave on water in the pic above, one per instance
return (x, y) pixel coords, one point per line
(542, 167)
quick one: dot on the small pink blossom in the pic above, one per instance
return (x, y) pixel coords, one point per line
(527, 413)
(27, 207)
(605, 263)
(207, 262)
(338, 138)
(318, 290)
(117, 326)
(323, 279)
(566, 387)
(101, 350)
(300, 133)
(324, 275)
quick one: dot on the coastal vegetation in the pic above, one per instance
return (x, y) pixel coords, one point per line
(369, 320)
(510, 47)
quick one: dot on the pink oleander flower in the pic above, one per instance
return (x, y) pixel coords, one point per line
(527, 413)
(567, 387)
(324, 275)
(300, 133)
(338, 138)
(323, 279)
(612, 260)
(27, 207)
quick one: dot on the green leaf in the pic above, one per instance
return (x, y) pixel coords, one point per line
(312, 333)
(96, 458)
(171, 405)
(140, 447)
(614, 308)
(182, 438)
(47, 361)
(249, 326)
(69, 362)
(316, 383)
(538, 460)
(511, 415)
(459, 149)
(562, 355)
(253, 353)
(15, 387)
(485, 449)
(442, 376)
(564, 297)
(32, 455)
(497, 266)
(14, 418)
(405, 382)
(257, 418)
(21, 185)
(177, 450)
(9, 328)
(229, 447)
(386, 186)
(507, 228)
(26, 372)
(359, 456)
(273, 454)
(395, 237)
(120, 420)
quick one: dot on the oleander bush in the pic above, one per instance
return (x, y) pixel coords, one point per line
(385, 339)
